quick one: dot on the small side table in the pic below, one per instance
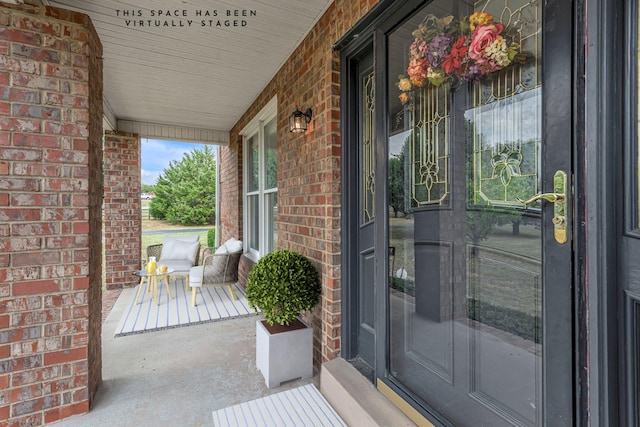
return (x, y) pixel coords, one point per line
(152, 283)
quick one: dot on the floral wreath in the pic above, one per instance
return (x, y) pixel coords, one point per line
(447, 48)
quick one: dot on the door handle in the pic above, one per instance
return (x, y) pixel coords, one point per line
(559, 199)
(549, 197)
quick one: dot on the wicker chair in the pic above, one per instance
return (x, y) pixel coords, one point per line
(216, 270)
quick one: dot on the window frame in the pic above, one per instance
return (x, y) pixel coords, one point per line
(256, 127)
(632, 122)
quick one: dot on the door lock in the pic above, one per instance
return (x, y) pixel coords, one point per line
(559, 199)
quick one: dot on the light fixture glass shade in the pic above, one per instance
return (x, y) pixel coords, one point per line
(298, 120)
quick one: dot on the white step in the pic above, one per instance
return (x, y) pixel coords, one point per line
(355, 399)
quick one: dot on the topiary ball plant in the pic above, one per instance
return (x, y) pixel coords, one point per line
(282, 284)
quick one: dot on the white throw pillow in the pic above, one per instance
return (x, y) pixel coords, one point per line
(222, 249)
(179, 250)
(233, 245)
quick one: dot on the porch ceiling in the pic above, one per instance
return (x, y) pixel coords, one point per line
(192, 80)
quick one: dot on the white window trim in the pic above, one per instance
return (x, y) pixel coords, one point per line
(217, 235)
(256, 127)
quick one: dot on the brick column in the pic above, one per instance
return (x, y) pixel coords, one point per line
(50, 222)
(122, 215)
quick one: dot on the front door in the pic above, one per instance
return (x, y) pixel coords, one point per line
(478, 210)
(366, 210)
(359, 211)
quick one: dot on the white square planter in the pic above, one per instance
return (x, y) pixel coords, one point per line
(284, 356)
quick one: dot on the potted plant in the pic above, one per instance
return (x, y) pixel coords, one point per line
(282, 284)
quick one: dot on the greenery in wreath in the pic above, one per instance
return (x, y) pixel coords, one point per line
(469, 48)
(282, 284)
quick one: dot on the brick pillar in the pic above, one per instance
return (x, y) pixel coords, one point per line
(50, 223)
(122, 215)
(230, 191)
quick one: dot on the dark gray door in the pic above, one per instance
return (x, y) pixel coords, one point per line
(627, 179)
(479, 303)
(366, 207)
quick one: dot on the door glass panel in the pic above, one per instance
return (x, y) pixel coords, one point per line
(367, 140)
(465, 291)
(429, 145)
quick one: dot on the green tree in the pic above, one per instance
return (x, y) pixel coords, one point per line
(147, 188)
(185, 191)
(397, 181)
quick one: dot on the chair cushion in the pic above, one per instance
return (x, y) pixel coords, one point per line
(179, 250)
(195, 276)
(178, 265)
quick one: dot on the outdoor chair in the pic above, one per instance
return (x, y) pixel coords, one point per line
(217, 269)
(179, 253)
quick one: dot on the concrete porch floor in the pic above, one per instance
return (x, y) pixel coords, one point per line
(175, 377)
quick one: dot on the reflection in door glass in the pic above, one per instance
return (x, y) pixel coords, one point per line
(465, 291)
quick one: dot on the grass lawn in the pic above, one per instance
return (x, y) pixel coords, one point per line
(176, 230)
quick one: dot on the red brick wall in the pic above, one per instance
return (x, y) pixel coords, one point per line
(50, 191)
(246, 264)
(230, 192)
(122, 214)
(96, 189)
(308, 165)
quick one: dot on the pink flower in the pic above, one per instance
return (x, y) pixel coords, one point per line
(418, 63)
(483, 36)
(417, 71)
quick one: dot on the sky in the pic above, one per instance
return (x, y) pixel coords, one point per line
(156, 155)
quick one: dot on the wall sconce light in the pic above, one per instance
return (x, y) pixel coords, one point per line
(298, 120)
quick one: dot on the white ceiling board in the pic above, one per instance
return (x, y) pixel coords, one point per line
(193, 77)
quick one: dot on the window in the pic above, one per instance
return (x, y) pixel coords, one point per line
(261, 182)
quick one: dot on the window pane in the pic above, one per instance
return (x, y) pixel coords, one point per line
(253, 223)
(271, 155)
(261, 186)
(253, 163)
(271, 216)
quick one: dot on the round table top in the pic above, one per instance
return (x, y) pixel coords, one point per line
(157, 272)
